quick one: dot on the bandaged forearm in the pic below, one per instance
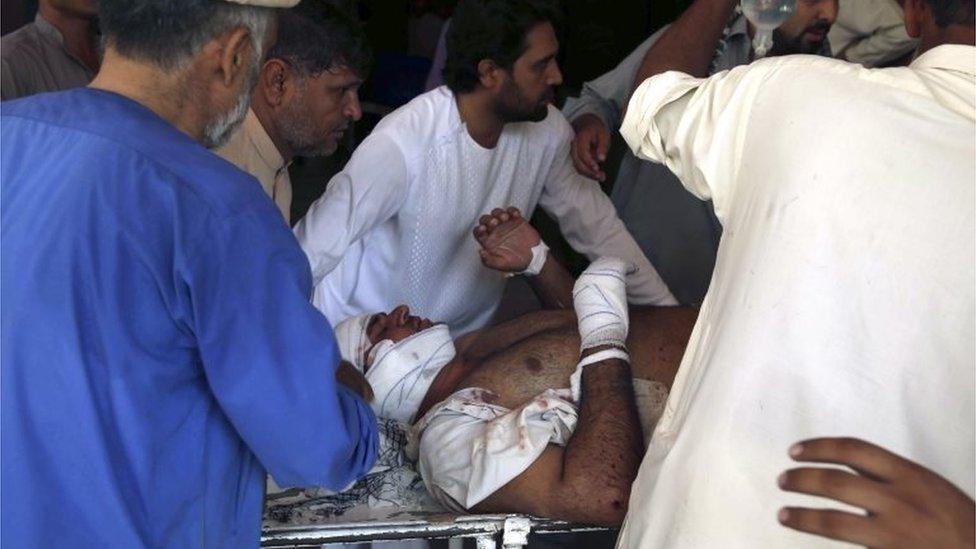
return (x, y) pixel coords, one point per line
(600, 300)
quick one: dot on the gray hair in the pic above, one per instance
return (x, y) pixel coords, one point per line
(168, 33)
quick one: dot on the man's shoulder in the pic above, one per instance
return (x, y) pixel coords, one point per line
(788, 67)
(12, 44)
(89, 122)
(22, 51)
(422, 122)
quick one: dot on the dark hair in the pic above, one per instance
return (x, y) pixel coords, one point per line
(953, 12)
(315, 36)
(490, 29)
(168, 32)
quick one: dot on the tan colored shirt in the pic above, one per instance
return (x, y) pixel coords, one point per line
(251, 149)
(33, 59)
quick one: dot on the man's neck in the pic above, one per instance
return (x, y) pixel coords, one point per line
(953, 34)
(76, 31)
(167, 95)
(264, 115)
(482, 123)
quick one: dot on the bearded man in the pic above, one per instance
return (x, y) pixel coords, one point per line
(677, 231)
(394, 226)
(306, 98)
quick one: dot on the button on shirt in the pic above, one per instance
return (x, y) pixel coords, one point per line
(843, 297)
(251, 149)
(159, 350)
(395, 226)
(33, 59)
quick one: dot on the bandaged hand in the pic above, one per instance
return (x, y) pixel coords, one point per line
(600, 300)
(509, 243)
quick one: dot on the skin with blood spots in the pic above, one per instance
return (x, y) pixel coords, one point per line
(516, 361)
(521, 359)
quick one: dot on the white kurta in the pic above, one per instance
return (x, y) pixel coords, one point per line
(395, 225)
(843, 297)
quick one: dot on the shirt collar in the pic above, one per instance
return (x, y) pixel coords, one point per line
(48, 30)
(262, 143)
(953, 57)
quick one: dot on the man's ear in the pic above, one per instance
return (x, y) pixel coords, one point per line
(914, 17)
(236, 52)
(275, 81)
(489, 74)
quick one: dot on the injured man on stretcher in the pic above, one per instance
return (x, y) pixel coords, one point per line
(546, 414)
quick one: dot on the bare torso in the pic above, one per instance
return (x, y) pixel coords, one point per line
(522, 358)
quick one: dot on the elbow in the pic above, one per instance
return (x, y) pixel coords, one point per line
(610, 505)
(600, 504)
(337, 460)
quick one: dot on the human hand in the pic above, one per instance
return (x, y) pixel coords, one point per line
(348, 375)
(907, 505)
(589, 148)
(506, 240)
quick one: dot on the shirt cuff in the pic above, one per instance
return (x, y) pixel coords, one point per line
(648, 118)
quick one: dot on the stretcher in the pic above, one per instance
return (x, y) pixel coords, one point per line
(489, 531)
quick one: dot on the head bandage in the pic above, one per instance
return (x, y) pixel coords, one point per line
(352, 339)
(399, 373)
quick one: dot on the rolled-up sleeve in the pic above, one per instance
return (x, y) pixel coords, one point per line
(589, 222)
(366, 193)
(693, 126)
(270, 358)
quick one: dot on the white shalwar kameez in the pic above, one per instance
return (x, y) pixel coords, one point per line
(842, 302)
(395, 225)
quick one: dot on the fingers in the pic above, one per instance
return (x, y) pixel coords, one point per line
(833, 524)
(865, 458)
(602, 144)
(490, 221)
(582, 152)
(838, 485)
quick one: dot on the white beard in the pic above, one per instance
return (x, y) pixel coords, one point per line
(219, 130)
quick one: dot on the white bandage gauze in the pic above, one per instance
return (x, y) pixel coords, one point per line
(600, 300)
(400, 373)
(352, 339)
(539, 254)
(576, 380)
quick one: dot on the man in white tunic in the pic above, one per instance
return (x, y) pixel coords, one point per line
(843, 297)
(395, 225)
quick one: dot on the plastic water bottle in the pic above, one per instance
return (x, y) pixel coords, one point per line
(766, 15)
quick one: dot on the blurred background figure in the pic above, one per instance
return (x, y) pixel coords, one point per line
(57, 51)
(872, 33)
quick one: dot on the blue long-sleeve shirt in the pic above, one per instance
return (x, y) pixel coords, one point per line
(158, 348)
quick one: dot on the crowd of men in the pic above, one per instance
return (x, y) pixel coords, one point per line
(784, 272)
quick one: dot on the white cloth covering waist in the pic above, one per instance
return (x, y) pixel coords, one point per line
(399, 373)
(469, 447)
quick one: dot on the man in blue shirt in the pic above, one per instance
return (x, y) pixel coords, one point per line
(159, 352)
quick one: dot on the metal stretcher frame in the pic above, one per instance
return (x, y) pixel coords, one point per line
(490, 531)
